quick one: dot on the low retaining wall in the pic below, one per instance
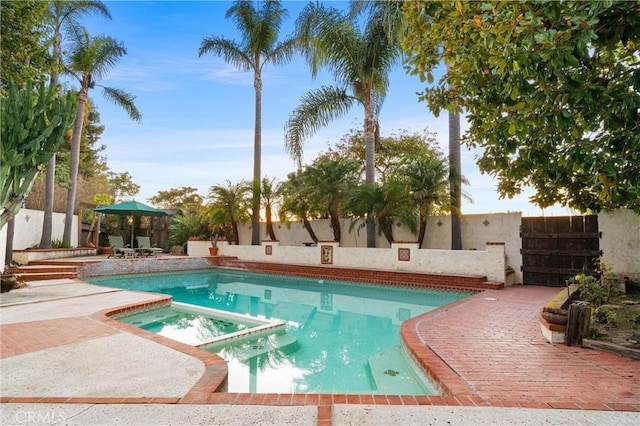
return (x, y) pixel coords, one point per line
(401, 257)
(143, 266)
(33, 255)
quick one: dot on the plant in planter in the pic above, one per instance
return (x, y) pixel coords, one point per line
(103, 244)
(555, 315)
(213, 250)
(8, 280)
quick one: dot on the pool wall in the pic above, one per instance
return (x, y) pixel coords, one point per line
(180, 263)
(108, 267)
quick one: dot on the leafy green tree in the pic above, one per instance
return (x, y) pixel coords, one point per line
(332, 181)
(360, 61)
(297, 202)
(122, 186)
(229, 206)
(271, 195)
(61, 14)
(185, 198)
(90, 59)
(24, 55)
(34, 122)
(91, 162)
(550, 91)
(391, 151)
(259, 46)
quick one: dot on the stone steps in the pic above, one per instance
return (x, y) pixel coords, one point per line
(45, 272)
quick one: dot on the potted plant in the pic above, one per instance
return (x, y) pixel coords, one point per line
(213, 250)
(103, 244)
(8, 280)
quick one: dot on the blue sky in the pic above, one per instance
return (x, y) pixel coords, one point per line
(198, 112)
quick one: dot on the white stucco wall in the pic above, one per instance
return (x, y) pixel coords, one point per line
(620, 242)
(476, 231)
(489, 261)
(28, 230)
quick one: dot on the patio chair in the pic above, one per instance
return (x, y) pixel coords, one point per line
(118, 249)
(145, 243)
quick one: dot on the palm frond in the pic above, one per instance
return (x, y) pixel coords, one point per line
(283, 52)
(317, 109)
(229, 50)
(124, 100)
(107, 53)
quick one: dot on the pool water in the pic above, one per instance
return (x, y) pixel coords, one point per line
(182, 326)
(340, 337)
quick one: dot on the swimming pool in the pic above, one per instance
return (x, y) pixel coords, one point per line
(346, 336)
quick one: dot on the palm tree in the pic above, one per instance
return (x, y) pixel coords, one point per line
(359, 61)
(62, 13)
(229, 205)
(391, 15)
(427, 180)
(385, 202)
(455, 180)
(258, 47)
(270, 193)
(90, 60)
(297, 201)
(332, 181)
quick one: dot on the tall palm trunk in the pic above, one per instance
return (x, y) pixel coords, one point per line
(334, 217)
(387, 228)
(370, 165)
(267, 212)
(74, 163)
(307, 226)
(235, 230)
(49, 193)
(455, 180)
(257, 155)
(422, 230)
(47, 222)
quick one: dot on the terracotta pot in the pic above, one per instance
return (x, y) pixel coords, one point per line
(213, 251)
(105, 250)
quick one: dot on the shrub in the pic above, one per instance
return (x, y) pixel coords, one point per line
(59, 244)
(597, 289)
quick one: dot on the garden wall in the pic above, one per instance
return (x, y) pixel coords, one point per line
(28, 230)
(620, 242)
(402, 257)
(477, 229)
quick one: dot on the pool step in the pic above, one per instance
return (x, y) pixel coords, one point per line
(393, 375)
(45, 272)
(248, 349)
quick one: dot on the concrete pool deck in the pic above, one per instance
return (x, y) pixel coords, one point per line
(62, 363)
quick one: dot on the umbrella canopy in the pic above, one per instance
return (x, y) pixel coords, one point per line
(131, 208)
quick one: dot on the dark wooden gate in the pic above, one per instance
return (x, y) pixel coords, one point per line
(557, 248)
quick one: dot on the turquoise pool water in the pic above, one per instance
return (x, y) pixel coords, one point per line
(185, 327)
(340, 337)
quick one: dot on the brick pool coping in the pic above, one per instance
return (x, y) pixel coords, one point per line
(209, 389)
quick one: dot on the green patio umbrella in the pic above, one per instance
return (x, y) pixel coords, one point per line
(131, 208)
